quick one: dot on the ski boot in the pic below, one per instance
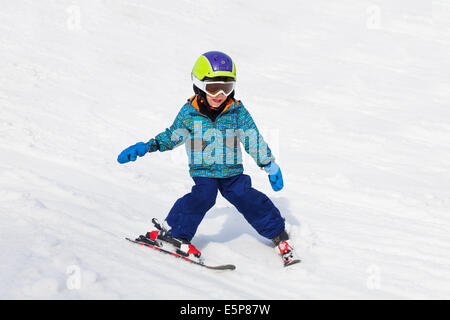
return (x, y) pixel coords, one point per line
(283, 248)
(162, 236)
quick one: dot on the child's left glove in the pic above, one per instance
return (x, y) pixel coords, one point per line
(275, 177)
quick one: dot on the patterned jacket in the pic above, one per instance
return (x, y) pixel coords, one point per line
(213, 148)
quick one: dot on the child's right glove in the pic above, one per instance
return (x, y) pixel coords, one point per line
(131, 153)
(275, 177)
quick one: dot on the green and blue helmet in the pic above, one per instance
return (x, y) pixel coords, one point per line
(214, 64)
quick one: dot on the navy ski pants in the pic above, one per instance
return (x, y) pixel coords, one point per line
(188, 211)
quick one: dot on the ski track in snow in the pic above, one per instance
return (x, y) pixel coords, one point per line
(352, 97)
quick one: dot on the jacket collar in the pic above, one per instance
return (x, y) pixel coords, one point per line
(230, 104)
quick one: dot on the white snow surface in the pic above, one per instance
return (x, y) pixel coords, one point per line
(353, 97)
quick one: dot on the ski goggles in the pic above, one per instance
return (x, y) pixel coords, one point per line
(214, 88)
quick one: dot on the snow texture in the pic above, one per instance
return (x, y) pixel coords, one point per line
(352, 96)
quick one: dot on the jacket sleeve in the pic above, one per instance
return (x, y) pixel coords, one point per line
(172, 137)
(252, 140)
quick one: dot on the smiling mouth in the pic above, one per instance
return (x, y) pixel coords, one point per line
(217, 100)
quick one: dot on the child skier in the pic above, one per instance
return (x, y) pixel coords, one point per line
(211, 124)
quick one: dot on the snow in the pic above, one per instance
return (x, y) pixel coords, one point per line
(352, 97)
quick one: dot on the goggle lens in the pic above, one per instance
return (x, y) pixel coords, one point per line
(214, 88)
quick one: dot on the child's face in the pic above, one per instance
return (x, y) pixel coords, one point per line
(216, 101)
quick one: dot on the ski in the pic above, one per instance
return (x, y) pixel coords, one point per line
(149, 245)
(290, 263)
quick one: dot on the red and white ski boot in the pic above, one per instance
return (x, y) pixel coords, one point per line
(287, 253)
(284, 248)
(182, 247)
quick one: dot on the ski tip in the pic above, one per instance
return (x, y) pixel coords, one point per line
(222, 267)
(231, 267)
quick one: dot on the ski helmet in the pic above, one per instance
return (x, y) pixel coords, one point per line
(214, 64)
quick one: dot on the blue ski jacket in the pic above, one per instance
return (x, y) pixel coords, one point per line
(213, 147)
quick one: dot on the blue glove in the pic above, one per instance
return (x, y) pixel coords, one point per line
(131, 153)
(275, 177)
